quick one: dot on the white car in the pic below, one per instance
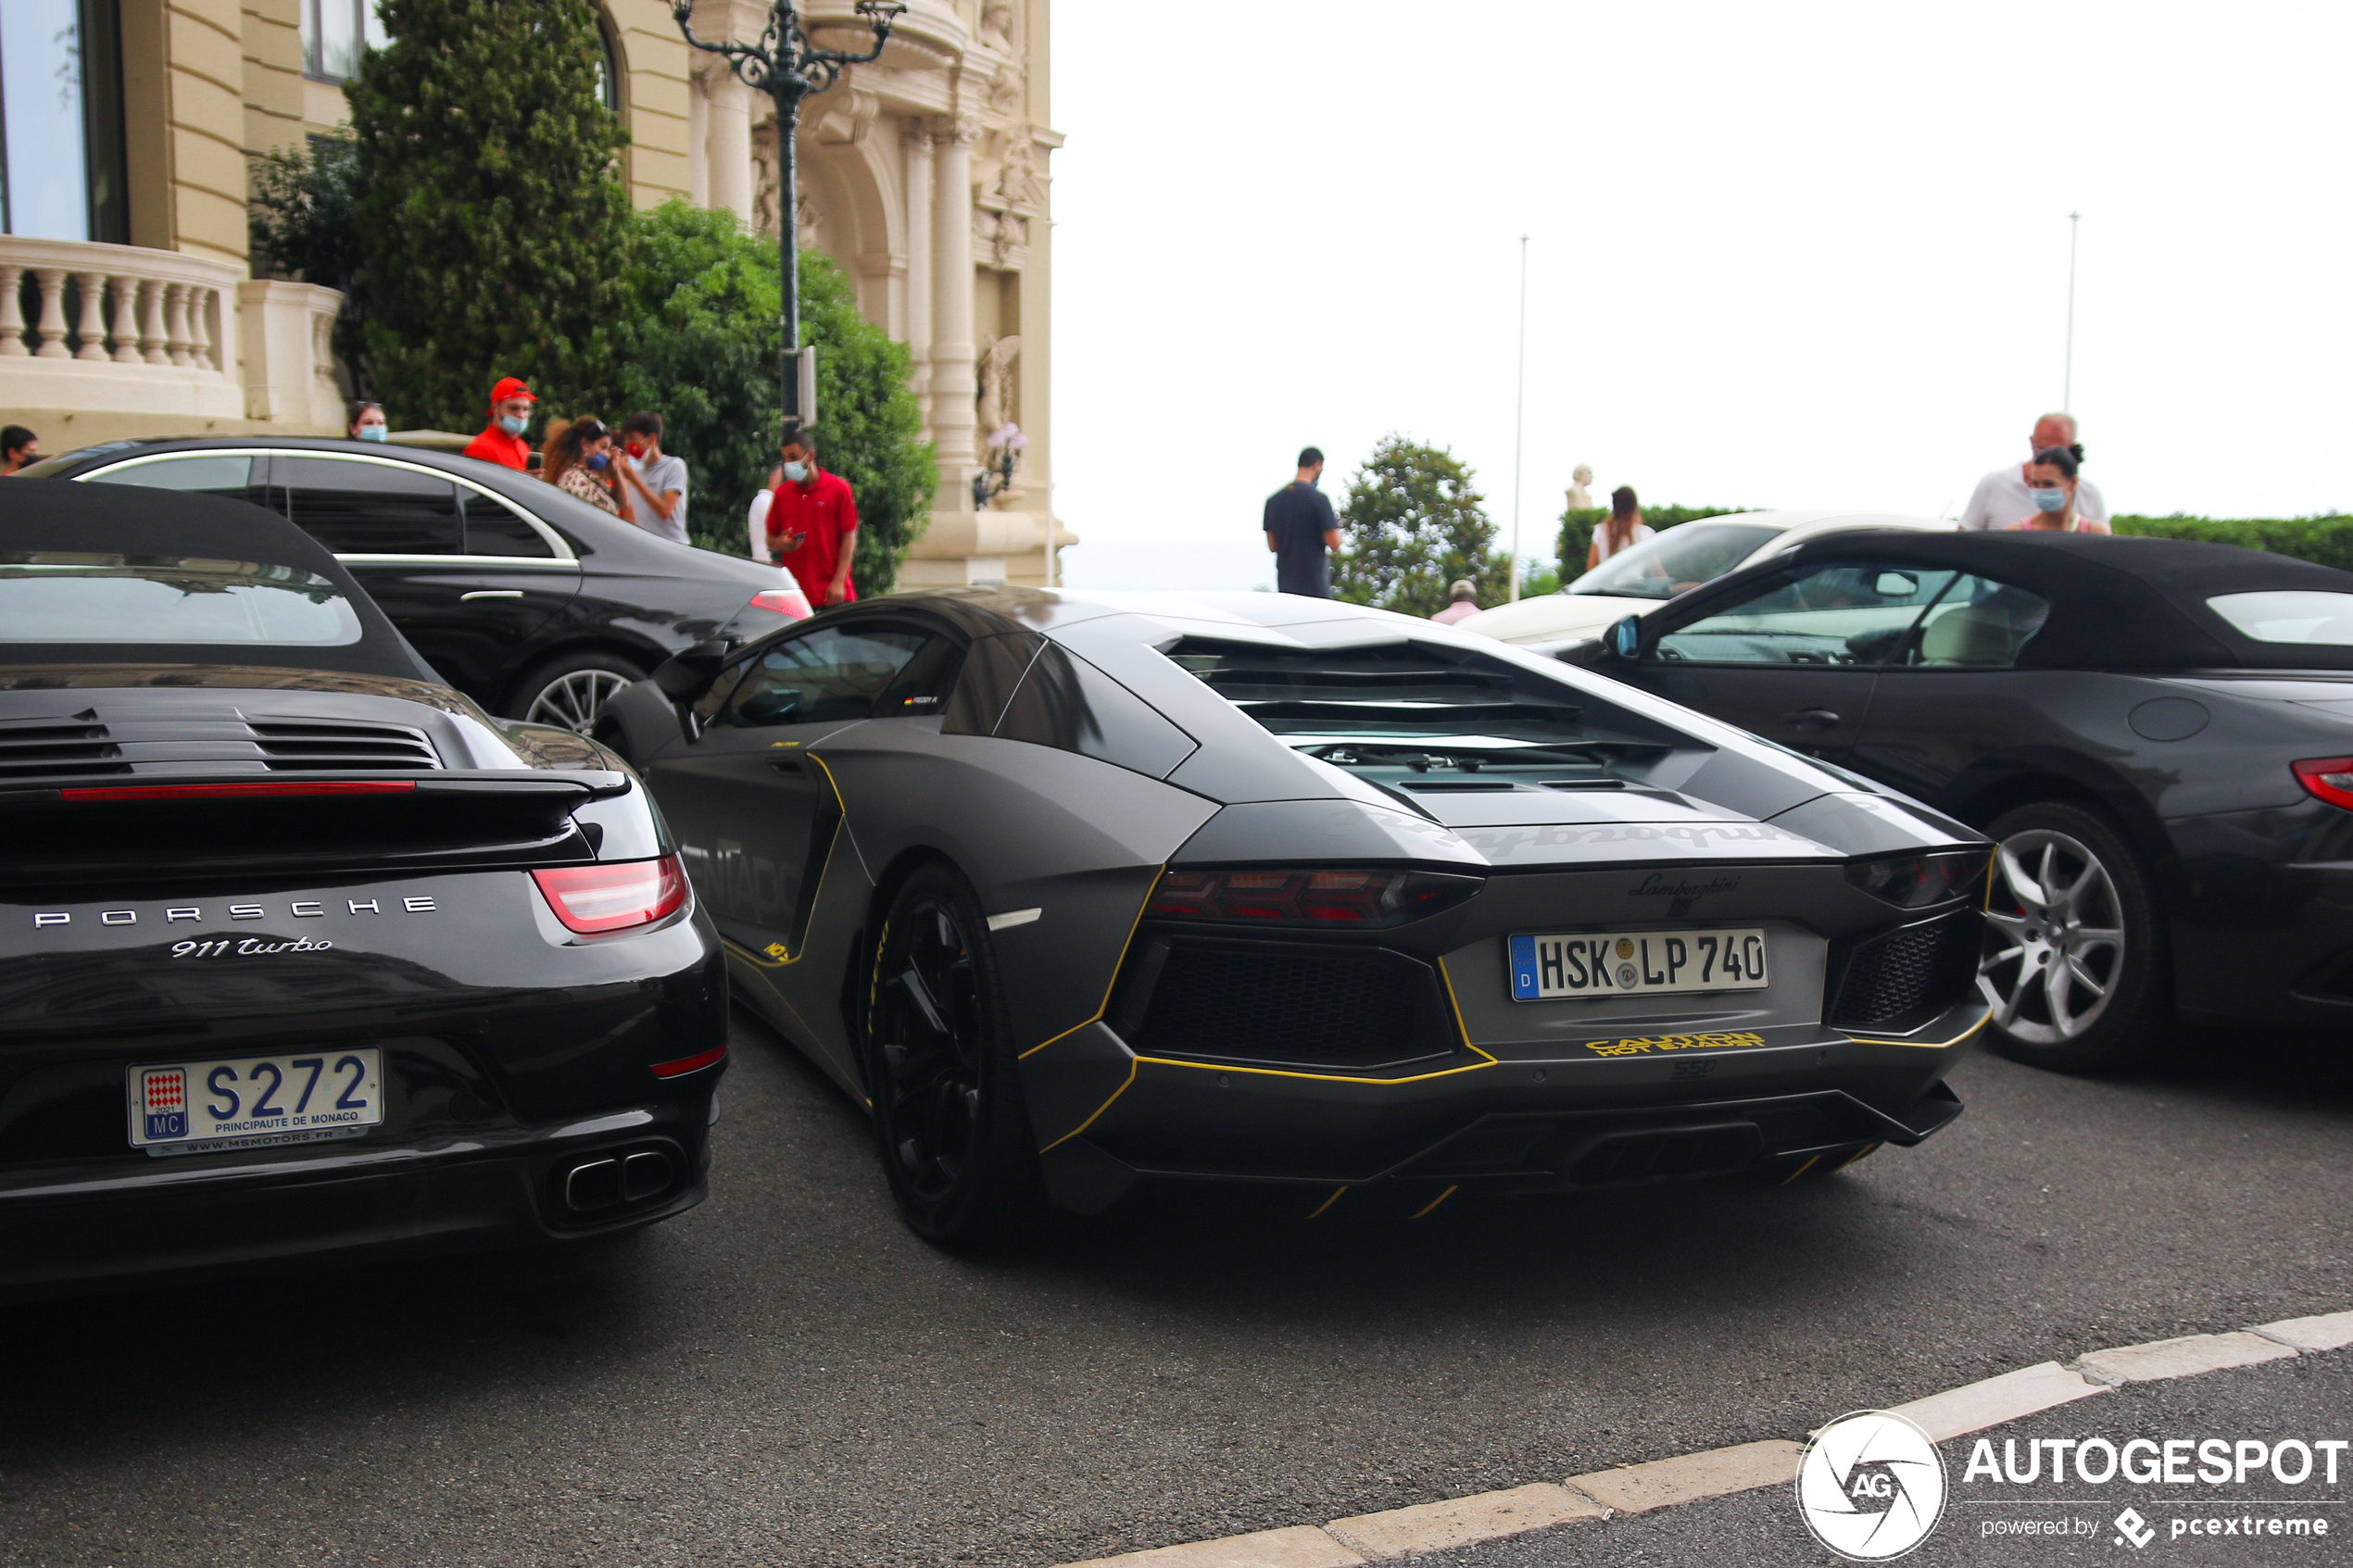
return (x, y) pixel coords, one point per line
(1658, 569)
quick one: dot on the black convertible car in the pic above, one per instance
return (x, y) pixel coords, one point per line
(1077, 890)
(2158, 733)
(529, 601)
(301, 955)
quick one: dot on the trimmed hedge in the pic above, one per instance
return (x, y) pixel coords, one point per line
(2327, 540)
(1578, 523)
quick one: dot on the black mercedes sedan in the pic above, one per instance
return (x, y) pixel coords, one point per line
(2158, 733)
(529, 601)
(302, 956)
(1078, 892)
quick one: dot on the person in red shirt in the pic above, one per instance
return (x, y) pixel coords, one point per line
(502, 442)
(812, 523)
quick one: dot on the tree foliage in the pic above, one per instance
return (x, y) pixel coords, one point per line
(699, 342)
(495, 228)
(300, 222)
(1412, 528)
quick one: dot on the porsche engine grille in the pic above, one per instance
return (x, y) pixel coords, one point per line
(1282, 1003)
(1904, 979)
(83, 745)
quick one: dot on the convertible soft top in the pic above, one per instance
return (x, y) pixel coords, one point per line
(2116, 602)
(143, 524)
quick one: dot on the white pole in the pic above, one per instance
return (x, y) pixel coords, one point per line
(2067, 387)
(1519, 415)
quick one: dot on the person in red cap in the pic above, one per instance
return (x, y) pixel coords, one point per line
(812, 522)
(511, 404)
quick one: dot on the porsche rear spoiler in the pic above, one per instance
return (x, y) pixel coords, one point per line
(132, 827)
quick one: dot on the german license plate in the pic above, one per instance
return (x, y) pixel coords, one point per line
(253, 1102)
(1546, 967)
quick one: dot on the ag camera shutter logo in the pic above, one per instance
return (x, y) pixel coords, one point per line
(1870, 1486)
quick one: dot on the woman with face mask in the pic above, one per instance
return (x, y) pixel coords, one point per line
(2050, 481)
(368, 422)
(578, 462)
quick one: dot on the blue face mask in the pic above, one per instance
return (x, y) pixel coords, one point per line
(796, 472)
(373, 432)
(2049, 500)
(597, 459)
(511, 425)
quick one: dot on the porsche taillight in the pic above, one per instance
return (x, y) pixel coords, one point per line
(2327, 778)
(1363, 900)
(593, 900)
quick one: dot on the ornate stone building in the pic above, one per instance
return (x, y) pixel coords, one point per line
(128, 308)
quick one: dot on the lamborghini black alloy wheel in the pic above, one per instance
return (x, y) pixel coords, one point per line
(948, 1109)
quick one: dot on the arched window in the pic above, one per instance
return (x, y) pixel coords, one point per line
(607, 64)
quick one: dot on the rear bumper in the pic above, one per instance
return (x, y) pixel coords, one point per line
(2266, 934)
(75, 1226)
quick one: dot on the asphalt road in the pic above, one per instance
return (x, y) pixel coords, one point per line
(785, 1376)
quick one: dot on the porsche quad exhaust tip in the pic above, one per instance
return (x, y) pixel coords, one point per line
(593, 1186)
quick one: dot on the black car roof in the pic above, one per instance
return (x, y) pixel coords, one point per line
(37, 515)
(2116, 602)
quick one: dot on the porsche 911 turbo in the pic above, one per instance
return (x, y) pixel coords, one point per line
(302, 956)
(1078, 892)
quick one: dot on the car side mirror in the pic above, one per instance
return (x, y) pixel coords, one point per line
(1624, 638)
(689, 673)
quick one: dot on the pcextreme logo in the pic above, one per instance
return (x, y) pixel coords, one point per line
(1870, 1486)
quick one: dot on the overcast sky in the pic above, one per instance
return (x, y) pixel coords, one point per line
(1779, 256)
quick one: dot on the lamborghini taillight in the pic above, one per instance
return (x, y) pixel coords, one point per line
(1363, 900)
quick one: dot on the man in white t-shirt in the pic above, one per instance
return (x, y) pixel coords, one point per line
(2000, 498)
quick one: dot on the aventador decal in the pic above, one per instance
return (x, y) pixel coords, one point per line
(1656, 885)
(1673, 1043)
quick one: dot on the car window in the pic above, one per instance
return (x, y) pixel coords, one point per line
(493, 528)
(1678, 558)
(357, 507)
(69, 597)
(200, 473)
(1844, 613)
(827, 674)
(2295, 615)
(1978, 625)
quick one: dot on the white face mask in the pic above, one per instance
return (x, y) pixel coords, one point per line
(373, 432)
(796, 472)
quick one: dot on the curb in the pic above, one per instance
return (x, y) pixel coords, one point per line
(1715, 1472)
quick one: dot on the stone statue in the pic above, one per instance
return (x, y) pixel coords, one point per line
(1579, 498)
(998, 21)
(1017, 183)
(996, 377)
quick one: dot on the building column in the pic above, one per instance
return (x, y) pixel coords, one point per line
(698, 131)
(727, 145)
(952, 387)
(919, 274)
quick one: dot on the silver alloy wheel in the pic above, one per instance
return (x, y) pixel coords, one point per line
(575, 700)
(2053, 938)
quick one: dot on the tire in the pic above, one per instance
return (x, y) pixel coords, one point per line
(2074, 959)
(950, 1124)
(570, 690)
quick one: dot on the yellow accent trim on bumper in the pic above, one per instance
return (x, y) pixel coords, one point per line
(1444, 978)
(1327, 1203)
(1851, 1158)
(1098, 1110)
(1112, 985)
(1436, 1201)
(1801, 1169)
(1927, 1044)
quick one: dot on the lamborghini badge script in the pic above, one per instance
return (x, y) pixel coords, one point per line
(300, 909)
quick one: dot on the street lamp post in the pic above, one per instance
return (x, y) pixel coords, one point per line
(787, 66)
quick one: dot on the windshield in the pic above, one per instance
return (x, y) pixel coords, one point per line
(1678, 558)
(2294, 615)
(70, 596)
(1410, 716)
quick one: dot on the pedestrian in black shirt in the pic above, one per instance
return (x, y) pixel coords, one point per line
(1302, 532)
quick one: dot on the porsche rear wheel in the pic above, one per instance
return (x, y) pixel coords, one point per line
(2073, 963)
(950, 1124)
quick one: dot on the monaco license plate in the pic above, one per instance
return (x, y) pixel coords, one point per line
(253, 1102)
(1586, 964)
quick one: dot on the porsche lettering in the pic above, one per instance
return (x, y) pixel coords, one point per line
(300, 909)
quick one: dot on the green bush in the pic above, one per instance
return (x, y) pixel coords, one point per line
(1578, 523)
(488, 199)
(1413, 527)
(300, 223)
(2326, 539)
(699, 345)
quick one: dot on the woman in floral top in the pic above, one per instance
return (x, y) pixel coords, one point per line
(576, 462)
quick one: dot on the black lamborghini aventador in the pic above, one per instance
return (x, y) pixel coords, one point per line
(1076, 891)
(301, 955)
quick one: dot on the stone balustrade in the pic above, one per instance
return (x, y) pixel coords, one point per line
(105, 340)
